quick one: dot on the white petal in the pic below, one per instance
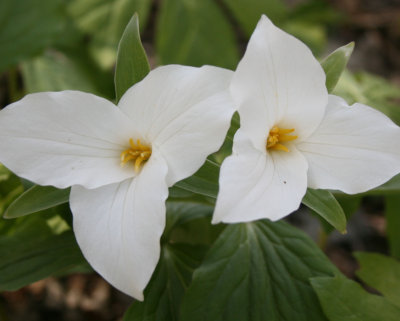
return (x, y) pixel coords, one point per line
(355, 148)
(118, 227)
(256, 184)
(278, 82)
(184, 112)
(65, 138)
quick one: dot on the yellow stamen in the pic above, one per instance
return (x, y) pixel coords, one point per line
(280, 147)
(138, 153)
(278, 135)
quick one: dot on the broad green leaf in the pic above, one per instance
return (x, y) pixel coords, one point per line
(335, 63)
(36, 199)
(33, 251)
(392, 211)
(204, 181)
(382, 273)
(345, 300)
(325, 204)
(195, 33)
(104, 21)
(27, 27)
(132, 65)
(249, 12)
(257, 271)
(55, 71)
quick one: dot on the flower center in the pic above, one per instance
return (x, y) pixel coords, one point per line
(137, 153)
(277, 136)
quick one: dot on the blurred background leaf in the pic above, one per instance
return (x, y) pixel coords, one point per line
(345, 300)
(381, 273)
(35, 247)
(104, 21)
(195, 33)
(27, 27)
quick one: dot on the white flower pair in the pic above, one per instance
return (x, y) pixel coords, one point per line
(292, 135)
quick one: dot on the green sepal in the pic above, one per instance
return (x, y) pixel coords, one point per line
(35, 199)
(325, 204)
(335, 63)
(132, 64)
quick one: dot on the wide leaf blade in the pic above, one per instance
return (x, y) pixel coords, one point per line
(257, 271)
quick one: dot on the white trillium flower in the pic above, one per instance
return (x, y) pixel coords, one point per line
(120, 161)
(294, 135)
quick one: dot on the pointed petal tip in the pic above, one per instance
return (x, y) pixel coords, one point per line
(139, 296)
(215, 221)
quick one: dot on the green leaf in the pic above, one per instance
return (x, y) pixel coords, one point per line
(132, 64)
(249, 12)
(204, 181)
(345, 300)
(382, 273)
(195, 33)
(27, 27)
(325, 204)
(335, 63)
(33, 251)
(257, 271)
(36, 199)
(392, 209)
